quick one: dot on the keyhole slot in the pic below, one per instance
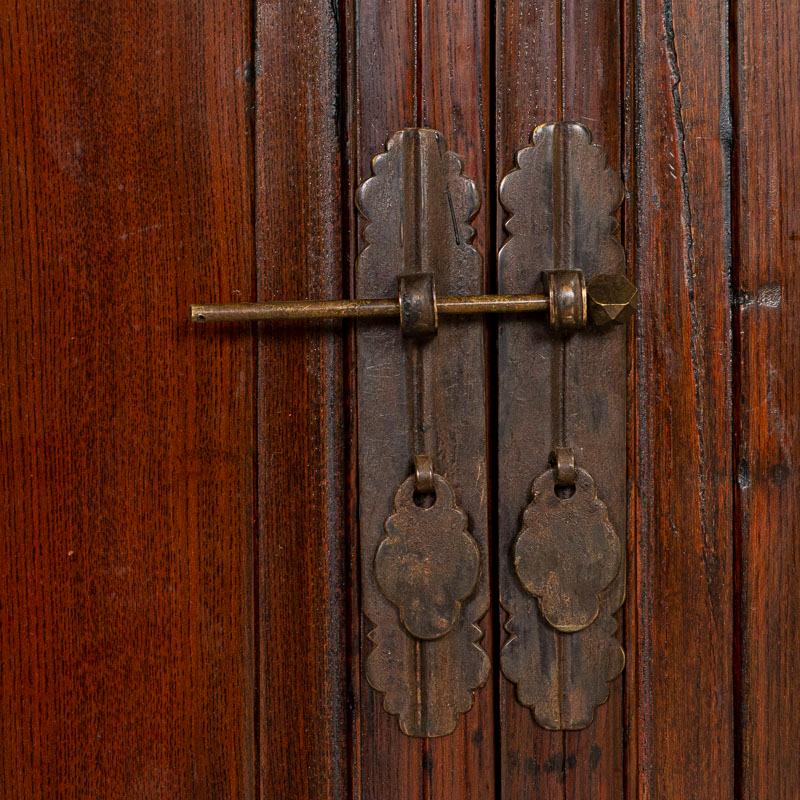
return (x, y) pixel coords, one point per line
(564, 492)
(425, 499)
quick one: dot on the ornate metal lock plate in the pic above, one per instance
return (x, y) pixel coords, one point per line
(562, 418)
(422, 428)
(421, 391)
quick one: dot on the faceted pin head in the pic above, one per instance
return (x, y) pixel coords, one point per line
(611, 299)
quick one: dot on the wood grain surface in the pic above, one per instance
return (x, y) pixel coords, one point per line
(126, 476)
(555, 61)
(301, 558)
(681, 704)
(383, 80)
(422, 50)
(179, 602)
(767, 282)
(454, 96)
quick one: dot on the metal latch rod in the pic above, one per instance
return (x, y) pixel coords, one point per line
(363, 309)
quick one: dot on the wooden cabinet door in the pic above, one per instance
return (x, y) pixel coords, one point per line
(180, 611)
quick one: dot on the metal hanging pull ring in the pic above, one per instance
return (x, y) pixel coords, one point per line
(424, 482)
(563, 459)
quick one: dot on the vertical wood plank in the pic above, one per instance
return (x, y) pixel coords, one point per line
(454, 59)
(426, 64)
(681, 611)
(591, 63)
(302, 568)
(527, 93)
(126, 476)
(767, 278)
(555, 61)
(390, 766)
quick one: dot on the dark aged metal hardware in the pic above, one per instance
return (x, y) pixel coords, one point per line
(421, 400)
(428, 563)
(568, 552)
(612, 299)
(566, 294)
(558, 302)
(418, 313)
(564, 576)
(423, 473)
(562, 677)
(564, 466)
(364, 309)
(427, 566)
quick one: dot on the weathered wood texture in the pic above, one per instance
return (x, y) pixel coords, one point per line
(554, 61)
(531, 759)
(303, 735)
(767, 281)
(454, 96)
(146, 162)
(681, 709)
(387, 764)
(126, 470)
(426, 64)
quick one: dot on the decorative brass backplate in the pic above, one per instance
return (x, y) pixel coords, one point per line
(562, 417)
(421, 391)
(568, 552)
(428, 564)
(422, 402)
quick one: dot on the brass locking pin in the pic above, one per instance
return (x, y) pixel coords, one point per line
(364, 309)
(610, 299)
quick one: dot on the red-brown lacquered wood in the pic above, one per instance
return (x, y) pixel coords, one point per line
(767, 199)
(527, 81)
(454, 97)
(680, 612)
(126, 469)
(303, 735)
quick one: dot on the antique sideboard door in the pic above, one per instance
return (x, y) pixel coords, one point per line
(201, 597)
